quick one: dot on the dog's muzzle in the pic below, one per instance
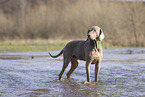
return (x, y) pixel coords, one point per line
(92, 37)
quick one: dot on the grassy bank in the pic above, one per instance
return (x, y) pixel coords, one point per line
(37, 45)
(40, 45)
(31, 45)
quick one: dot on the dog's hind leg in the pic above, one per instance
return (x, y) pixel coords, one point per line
(65, 64)
(74, 65)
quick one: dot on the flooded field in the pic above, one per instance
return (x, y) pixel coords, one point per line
(122, 73)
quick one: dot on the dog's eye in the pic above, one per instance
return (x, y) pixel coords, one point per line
(95, 30)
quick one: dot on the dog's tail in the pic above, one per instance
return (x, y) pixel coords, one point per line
(56, 55)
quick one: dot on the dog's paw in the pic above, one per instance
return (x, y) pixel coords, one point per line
(58, 79)
(88, 83)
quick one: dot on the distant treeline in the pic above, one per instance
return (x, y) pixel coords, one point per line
(123, 22)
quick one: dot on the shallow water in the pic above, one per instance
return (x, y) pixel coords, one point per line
(122, 73)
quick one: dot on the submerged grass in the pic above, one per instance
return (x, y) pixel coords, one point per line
(31, 45)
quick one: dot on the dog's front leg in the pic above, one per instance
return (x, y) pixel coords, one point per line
(97, 68)
(88, 71)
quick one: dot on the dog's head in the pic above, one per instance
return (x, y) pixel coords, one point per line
(95, 33)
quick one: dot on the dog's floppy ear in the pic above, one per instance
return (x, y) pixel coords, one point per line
(101, 35)
(88, 33)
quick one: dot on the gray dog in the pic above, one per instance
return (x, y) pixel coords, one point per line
(89, 50)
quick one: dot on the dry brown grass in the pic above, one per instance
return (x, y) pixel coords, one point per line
(122, 22)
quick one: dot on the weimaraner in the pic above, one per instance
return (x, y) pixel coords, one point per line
(89, 50)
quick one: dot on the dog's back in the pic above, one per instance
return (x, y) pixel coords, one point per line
(75, 49)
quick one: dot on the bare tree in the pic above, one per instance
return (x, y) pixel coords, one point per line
(135, 17)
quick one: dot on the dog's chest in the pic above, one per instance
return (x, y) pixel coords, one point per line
(95, 58)
(95, 55)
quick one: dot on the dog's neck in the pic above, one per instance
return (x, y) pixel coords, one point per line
(96, 45)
